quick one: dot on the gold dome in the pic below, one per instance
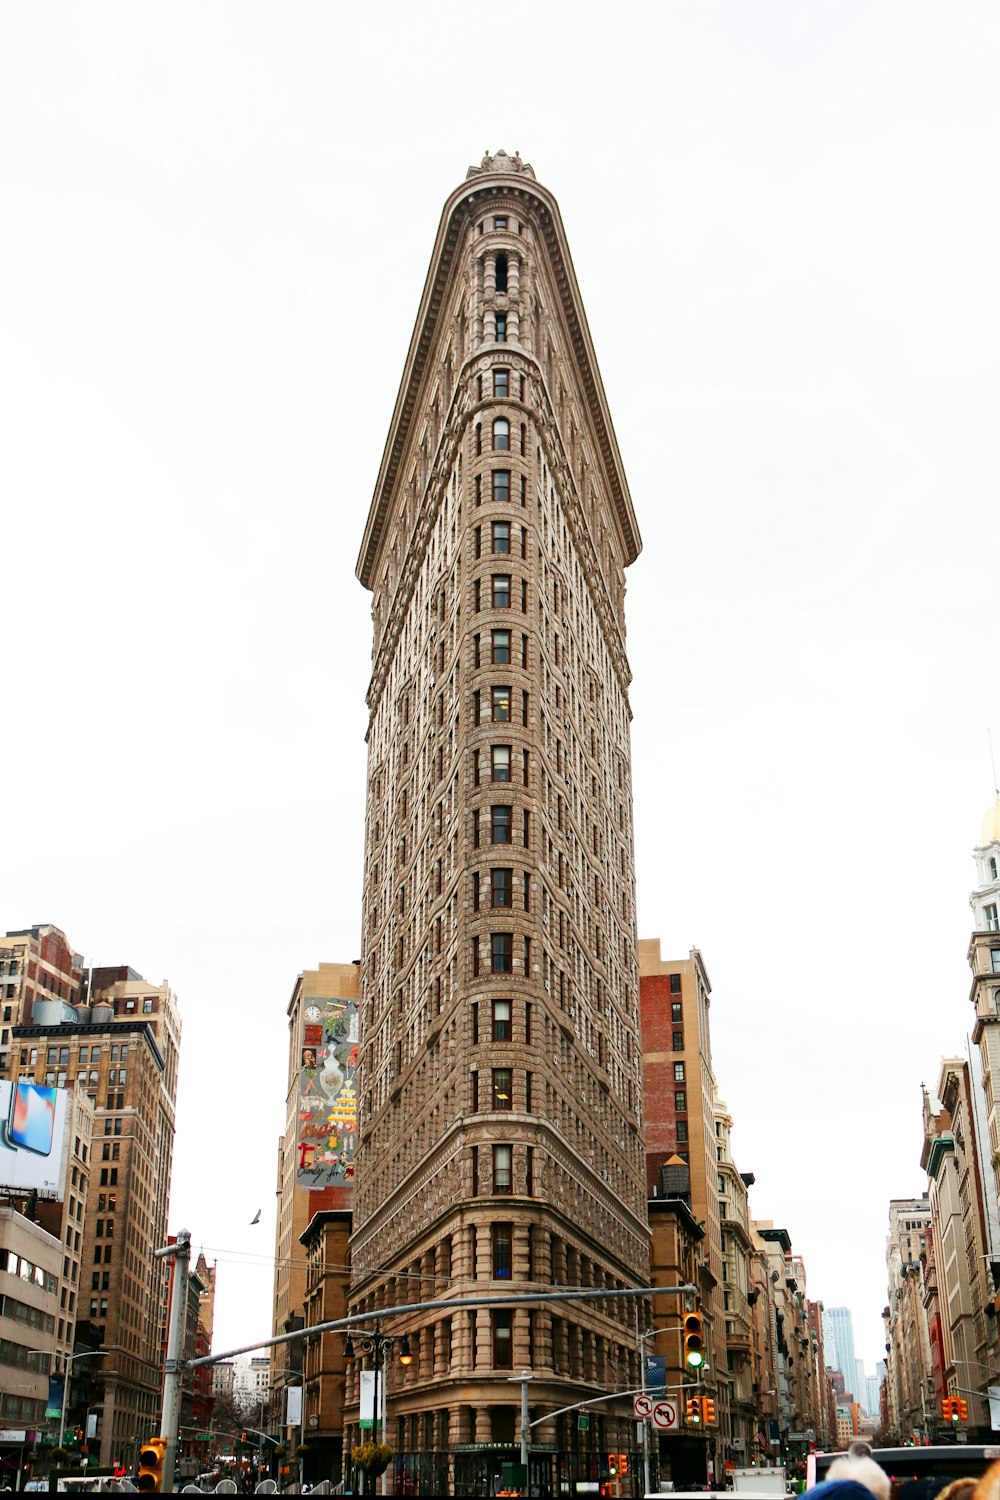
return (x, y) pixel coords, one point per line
(991, 826)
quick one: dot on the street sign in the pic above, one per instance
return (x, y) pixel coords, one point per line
(664, 1415)
(583, 1421)
(642, 1406)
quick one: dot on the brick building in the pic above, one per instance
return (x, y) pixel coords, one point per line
(500, 1079)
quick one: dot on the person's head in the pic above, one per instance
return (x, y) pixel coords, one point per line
(988, 1487)
(862, 1470)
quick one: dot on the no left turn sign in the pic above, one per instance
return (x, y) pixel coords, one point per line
(664, 1415)
(642, 1406)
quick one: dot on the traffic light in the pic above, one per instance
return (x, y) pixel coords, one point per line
(708, 1409)
(692, 1410)
(963, 1410)
(612, 1464)
(694, 1344)
(151, 1458)
(623, 1463)
(949, 1408)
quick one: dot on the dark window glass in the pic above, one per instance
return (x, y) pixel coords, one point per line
(675, 984)
(500, 762)
(500, 825)
(501, 887)
(501, 382)
(501, 328)
(502, 1252)
(502, 1168)
(501, 484)
(501, 536)
(678, 1041)
(502, 1341)
(501, 1088)
(501, 648)
(676, 1012)
(501, 952)
(501, 1020)
(501, 264)
(501, 591)
(501, 704)
(501, 435)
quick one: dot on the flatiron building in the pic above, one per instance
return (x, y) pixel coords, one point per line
(500, 1069)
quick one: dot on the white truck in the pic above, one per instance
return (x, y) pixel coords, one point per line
(759, 1481)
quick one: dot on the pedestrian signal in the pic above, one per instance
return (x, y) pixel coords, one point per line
(694, 1345)
(150, 1476)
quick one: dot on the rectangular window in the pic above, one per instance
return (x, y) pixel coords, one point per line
(678, 1072)
(501, 1020)
(475, 890)
(501, 485)
(503, 1239)
(527, 1092)
(681, 1101)
(501, 590)
(502, 1088)
(682, 1132)
(503, 1343)
(676, 1012)
(501, 952)
(147, 1007)
(524, 709)
(678, 1041)
(995, 959)
(475, 958)
(501, 328)
(500, 701)
(500, 825)
(475, 1172)
(500, 762)
(475, 829)
(500, 643)
(501, 536)
(501, 382)
(501, 887)
(502, 1168)
(992, 923)
(526, 828)
(475, 1024)
(474, 1091)
(524, 596)
(527, 1024)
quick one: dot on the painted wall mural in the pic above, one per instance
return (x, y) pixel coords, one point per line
(328, 1105)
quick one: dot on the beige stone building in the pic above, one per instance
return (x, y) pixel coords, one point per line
(738, 1397)
(909, 1378)
(121, 1050)
(30, 1267)
(500, 1077)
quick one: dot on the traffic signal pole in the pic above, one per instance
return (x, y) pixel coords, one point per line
(172, 1370)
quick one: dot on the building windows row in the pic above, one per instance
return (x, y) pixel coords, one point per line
(501, 828)
(501, 648)
(501, 1021)
(497, 705)
(499, 593)
(501, 764)
(501, 539)
(501, 888)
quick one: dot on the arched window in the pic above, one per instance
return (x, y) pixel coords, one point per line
(501, 272)
(993, 868)
(501, 434)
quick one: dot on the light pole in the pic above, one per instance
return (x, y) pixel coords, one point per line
(640, 1340)
(68, 1360)
(377, 1344)
(523, 1378)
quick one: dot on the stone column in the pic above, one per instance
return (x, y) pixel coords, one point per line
(513, 305)
(489, 295)
(484, 1431)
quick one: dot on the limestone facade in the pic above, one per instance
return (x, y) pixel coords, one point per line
(500, 1076)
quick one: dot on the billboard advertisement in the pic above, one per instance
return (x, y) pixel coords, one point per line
(328, 1104)
(32, 1130)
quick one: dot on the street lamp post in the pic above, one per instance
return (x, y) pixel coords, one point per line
(640, 1340)
(377, 1344)
(68, 1360)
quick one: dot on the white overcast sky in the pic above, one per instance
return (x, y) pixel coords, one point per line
(215, 222)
